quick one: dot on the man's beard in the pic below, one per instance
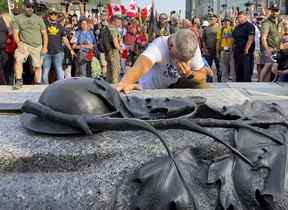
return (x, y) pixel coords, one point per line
(29, 13)
(274, 16)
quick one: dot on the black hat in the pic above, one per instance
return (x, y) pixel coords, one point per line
(63, 101)
(274, 7)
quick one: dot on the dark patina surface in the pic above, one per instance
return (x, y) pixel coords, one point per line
(111, 181)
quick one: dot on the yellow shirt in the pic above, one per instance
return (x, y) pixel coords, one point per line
(225, 37)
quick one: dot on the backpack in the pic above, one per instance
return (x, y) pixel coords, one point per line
(10, 45)
(105, 40)
(129, 39)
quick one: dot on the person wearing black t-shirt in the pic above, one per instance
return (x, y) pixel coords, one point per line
(56, 34)
(244, 46)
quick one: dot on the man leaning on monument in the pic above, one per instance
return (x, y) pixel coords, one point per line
(173, 61)
(32, 39)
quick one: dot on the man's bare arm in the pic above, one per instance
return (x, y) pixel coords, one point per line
(249, 43)
(45, 39)
(16, 37)
(264, 42)
(142, 65)
(68, 45)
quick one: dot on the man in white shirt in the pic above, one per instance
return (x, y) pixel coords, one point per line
(172, 61)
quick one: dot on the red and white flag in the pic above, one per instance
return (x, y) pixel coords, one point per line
(145, 12)
(123, 9)
(132, 9)
(116, 9)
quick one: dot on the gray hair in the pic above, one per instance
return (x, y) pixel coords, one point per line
(186, 43)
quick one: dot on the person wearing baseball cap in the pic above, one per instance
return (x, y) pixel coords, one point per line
(209, 43)
(271, 31)
(31, 38)
(224, 50)
(274, 7)
(56, 35)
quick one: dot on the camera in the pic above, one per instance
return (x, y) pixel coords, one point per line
(95, 11)
(275, 57)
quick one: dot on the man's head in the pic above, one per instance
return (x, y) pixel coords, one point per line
(74, 19)
(275, 11)
(186, 24)
(84, 24)
(182, 45)
(174, 20)
(28, 7)
(117, 21)
(104, 17)
(163, 19)
(53, 14)
(242, 17)
(227, 22)
(212, 20)
(196, 21)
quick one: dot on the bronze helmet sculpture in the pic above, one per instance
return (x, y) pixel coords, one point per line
(86, 106)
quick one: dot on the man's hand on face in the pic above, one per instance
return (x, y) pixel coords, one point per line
(126, 88)
(184, 69)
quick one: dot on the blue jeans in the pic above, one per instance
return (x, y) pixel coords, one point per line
(57, 60)
(283, 78)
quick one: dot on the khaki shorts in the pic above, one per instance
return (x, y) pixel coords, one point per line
(257, 57)
(103, 59)
(21, 55)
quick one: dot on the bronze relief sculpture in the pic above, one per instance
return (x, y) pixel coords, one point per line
(248, 174)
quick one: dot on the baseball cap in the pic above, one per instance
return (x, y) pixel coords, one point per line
(53, 11)
(274, 7)
(205, 23)
(29, 3)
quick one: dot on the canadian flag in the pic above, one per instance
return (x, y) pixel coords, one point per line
(145, 12)
(116, 9)
(123, 9)
(132, 9)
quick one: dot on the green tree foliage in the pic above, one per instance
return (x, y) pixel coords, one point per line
(3, 6)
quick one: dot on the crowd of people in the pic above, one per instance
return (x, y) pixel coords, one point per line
(161, 51)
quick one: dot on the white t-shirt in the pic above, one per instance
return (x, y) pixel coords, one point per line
(164, 72)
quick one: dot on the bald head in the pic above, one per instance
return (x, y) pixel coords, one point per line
(185, 43)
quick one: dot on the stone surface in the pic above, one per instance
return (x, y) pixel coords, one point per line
(86, 172)
(82, 172)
